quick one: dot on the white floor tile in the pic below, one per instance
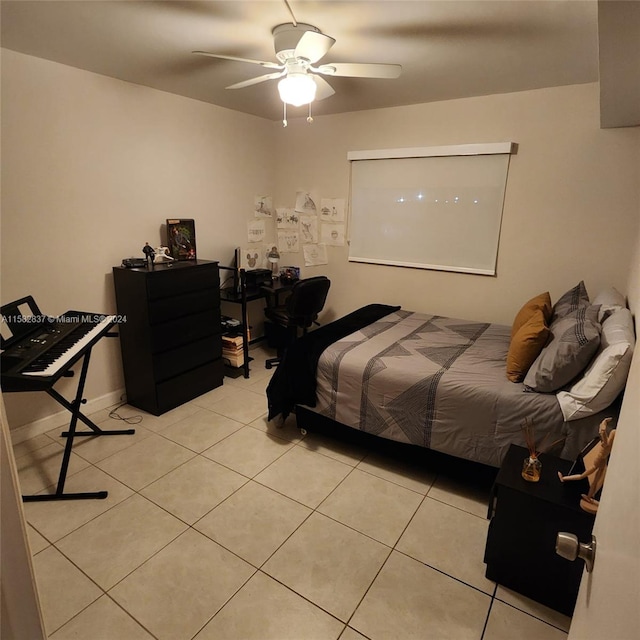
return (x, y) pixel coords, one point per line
(159, 423)
(201, 430)
(287, 429)
(462, 492)
(207, 400)
(409, 600)
(115, 543)
(32, 444)
(258, 378)
(96, 448)
(36, 541)
(192, 578)
(506, 623)
(265, 610)
(194, 488)
(351, 634)
(304, 476)
(259, 382)
(241, 405)
(56, 519)
(63, 589)
(533, 608)
(383, 515)
(144, 462)
(40, 469)
(329, 564)
(102, 620)
(449, 540)
(253, 522)
(405, 473)
(248, 451)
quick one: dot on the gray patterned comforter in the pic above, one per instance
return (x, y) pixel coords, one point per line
(439, 383)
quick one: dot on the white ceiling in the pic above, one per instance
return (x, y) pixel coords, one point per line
(447, 49)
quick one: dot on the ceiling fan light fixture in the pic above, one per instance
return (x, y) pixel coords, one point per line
(297, 89)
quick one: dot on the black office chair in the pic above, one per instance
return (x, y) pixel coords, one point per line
(299, 311)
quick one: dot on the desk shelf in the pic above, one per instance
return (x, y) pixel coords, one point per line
(230, 294)
(242, 297)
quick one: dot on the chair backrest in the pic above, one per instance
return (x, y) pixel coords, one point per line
(307, 300)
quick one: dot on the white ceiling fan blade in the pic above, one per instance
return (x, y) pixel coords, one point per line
(313, 45)
(324, 89)
(262, 63)
(252, 81)
(360, 70)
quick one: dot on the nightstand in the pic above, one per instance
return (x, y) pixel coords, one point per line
(525, 520)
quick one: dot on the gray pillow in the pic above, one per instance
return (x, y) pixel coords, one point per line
(606, 376)
(570, 301)
(573, 342)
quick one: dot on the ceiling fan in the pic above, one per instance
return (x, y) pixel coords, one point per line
(298, 48)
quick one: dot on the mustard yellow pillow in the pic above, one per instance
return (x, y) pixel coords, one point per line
(541, 302)
(526, 345)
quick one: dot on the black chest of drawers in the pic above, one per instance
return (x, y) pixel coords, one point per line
(170, 332)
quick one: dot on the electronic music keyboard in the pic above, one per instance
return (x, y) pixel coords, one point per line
(45, 348)
(53, 360)
(37, 351)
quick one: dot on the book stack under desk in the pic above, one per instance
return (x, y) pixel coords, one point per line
(232, 351)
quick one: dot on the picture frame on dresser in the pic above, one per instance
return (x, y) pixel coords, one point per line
(181, 238)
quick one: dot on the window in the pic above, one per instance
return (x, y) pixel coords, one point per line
(430, 207)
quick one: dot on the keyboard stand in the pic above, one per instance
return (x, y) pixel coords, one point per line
(76, 414)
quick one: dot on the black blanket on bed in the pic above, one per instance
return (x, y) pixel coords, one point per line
(294, 381)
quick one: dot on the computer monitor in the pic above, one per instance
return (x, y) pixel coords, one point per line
(237, 264)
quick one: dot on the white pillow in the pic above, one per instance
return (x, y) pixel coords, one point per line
(606, 376)
(610, 300)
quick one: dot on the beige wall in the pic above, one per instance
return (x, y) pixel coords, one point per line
(571, 208)
(91, 168)
(633, 282)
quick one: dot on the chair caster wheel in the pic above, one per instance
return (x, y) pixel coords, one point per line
(303, 432)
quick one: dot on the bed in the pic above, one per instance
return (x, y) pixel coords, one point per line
(431, 381)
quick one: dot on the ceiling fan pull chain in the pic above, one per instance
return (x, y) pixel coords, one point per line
(284, 119)
(309, 118)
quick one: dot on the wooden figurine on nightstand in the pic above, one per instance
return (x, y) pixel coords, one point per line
(597, 468)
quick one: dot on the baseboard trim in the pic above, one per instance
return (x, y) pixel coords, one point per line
(61, 418)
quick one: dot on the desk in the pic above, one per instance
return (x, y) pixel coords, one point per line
(275, 289)
(245, 295)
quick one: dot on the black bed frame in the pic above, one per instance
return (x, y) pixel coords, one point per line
(310, 421)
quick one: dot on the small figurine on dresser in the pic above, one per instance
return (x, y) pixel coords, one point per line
(162, 254)
(597, 468)
(149, 253)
